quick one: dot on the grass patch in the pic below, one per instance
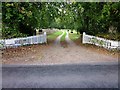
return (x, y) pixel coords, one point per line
(74, 36)
(63, 41)
(54, 35)
(51, 37)
(63, 37)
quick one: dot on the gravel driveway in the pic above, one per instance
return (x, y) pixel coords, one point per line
(72, 54)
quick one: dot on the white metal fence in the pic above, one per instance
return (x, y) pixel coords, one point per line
(15, 42)
(109, 44)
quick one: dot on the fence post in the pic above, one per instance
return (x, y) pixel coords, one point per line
(83, 39)
(4, 46)
(45, 38)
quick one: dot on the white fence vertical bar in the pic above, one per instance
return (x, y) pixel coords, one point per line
(45, 37)
(83, 41)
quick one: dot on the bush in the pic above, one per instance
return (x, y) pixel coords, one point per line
(110, 36)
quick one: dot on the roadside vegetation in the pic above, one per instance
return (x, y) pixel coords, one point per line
(74, 36)
(63, 37)
(63, 41)
(110, 36)
(91, 17)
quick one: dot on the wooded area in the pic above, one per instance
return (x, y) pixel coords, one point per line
(96, 18)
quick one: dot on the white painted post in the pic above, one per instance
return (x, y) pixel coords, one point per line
(118, 45)
(83, 39)
(45, 37)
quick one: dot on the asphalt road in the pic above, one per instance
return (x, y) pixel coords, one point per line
(60, 76)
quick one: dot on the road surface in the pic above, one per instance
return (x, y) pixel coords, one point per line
(60, 76)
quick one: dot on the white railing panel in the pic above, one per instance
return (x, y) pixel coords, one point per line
(24, 41)
(110, 44)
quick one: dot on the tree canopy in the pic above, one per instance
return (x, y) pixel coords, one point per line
(22, 18)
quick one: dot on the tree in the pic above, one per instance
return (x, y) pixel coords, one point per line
(21, 19)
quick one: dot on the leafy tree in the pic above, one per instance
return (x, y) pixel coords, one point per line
(21, 19)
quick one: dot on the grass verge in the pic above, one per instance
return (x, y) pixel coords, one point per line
(51, 37)
(63, 41)
(74, 36)
(54, 35)
(63, 37)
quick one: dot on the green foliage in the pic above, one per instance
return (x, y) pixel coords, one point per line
(111, 36)
(63, 37)
(22, 18)
(74, 36)
(54, 35)
(19, 19)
